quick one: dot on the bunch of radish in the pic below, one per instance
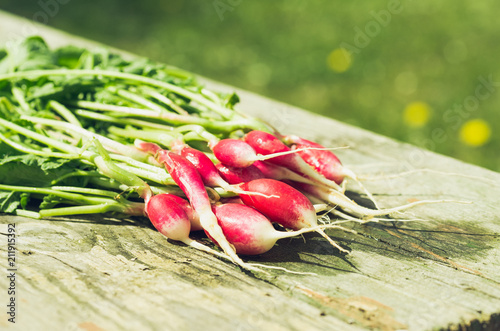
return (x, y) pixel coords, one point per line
(186, 157)
(274, 182)
(266, 182)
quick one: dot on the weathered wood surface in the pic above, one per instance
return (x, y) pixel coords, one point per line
(96, 273)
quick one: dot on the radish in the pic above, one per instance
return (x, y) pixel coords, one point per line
(190, 213)
(266, 144)
(171, 220)
(168, 217)
(249, 231)
(324, 161)
(234, 153)
(287, 206)
(205, 167)
(189, 180)
(239, 175)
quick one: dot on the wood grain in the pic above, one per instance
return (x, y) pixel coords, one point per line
(443, 272)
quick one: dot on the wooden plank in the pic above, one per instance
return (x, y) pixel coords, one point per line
(100, 273)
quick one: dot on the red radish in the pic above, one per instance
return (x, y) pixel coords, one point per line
(266, 144)
(190, 213)
(234, 153)
(168, 217)
(323, 161)
(234, 175)
(189, 180)
(205, 167)
(289, 208)
(285, 206)
(249, 231)
(170, 220)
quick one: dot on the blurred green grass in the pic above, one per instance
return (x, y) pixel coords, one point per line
(428, 54)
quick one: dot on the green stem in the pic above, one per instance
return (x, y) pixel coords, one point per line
(160, 178)
(109, 143)
(215, 125)
(118, 120)
(76, 173)
(41, 138)
(137, 99)
(133, 209)
(177, 72)
(192, 136)
(171, 189)
(101, 160)
(211, 95)
(28, 150)
(162, 98)
(6, 107)
(49, 191)
(107, 183)
(223, 193)
(112, 184)
(144, 113)
(64, 112)
(200, 131)
(28, 213)
(157, 136)
(137, 164)
(19, 96)
(86, 190)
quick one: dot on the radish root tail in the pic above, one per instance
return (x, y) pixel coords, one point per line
(334, 244)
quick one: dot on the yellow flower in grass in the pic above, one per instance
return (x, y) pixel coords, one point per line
(475, 132)
(339, 60)
(417, 114)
